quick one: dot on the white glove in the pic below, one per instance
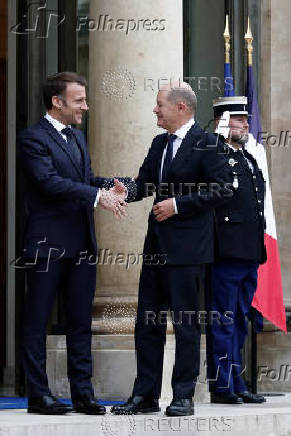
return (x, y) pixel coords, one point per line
(222, 128)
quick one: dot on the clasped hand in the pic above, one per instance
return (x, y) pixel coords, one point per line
(164, 209)
(114, 199)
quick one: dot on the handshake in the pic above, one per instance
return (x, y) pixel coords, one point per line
(113, 199)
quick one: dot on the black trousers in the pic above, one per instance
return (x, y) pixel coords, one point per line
(161, 288)
(78, 284)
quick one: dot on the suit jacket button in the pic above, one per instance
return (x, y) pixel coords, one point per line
(226, 218)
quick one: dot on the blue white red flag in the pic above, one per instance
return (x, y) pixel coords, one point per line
(268, 299)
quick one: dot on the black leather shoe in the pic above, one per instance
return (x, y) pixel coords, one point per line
(248, 397)
(225, 398)
(180, 407)
(47, 405)
(67, 406)
(89, 406)
(136, 404)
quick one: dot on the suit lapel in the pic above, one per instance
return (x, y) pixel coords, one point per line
(186, 146)
(61, 143)
(83, 150)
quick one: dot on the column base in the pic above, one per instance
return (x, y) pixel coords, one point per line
(114, 367)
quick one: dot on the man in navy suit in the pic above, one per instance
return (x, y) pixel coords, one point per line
(62, 193)
(190, 179)
(240, 249)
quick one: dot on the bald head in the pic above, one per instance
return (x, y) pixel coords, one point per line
(176, 104)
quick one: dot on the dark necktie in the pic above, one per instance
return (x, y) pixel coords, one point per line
(72, 144)
(169, 157)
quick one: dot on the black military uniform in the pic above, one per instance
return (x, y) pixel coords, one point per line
(239, 235)
(240, 222)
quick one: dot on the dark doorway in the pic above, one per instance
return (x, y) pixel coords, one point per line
(3, 184)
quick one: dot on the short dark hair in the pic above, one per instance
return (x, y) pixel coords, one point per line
(56, 84)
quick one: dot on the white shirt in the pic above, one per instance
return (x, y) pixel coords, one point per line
(59, 127)
(180, 133)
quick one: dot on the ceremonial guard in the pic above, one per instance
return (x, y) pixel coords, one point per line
(239, 233)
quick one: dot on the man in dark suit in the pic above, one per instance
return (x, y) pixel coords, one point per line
(61, 195)
(181, 164)
(240, 249)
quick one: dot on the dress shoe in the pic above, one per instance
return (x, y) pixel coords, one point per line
(180, 407)
(225, 398)
(136, 404)
(47, 405)
(67, 406)
(89, 406)
(248, 397)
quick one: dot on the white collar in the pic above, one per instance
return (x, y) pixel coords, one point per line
(56, 124)
(234, 149)
(183, 130)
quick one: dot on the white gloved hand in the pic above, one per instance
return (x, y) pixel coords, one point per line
(222, 128)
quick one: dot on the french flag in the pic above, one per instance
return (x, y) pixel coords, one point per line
(268, 299)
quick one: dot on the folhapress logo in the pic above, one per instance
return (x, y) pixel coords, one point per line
(105, 23)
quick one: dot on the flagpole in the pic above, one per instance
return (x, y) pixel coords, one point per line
(249, 43)
(249, 40)
(226, 36)
(228, 77)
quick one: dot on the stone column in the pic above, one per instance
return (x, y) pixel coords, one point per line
(280, 122)
(274, 346)
(133, 44)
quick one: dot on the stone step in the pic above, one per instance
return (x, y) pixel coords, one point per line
(272, 418)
